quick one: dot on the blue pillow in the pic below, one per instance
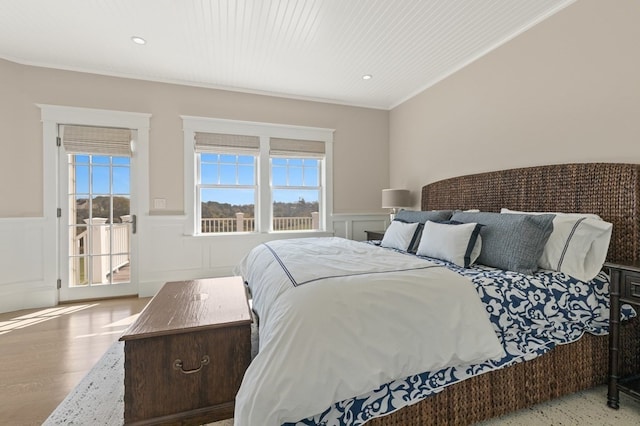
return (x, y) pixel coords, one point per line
(513, 243)
(411, 216)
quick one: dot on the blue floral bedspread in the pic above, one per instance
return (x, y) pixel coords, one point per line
(530, 314)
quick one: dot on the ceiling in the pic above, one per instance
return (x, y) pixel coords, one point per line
(307, 49)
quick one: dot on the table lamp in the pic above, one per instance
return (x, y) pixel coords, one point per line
(394, 199)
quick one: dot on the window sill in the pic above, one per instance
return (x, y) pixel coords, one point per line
(301, 234)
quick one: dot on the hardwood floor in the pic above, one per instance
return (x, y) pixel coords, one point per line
(45, 352)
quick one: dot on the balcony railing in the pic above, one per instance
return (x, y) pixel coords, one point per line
(93, 244)
(242, 224)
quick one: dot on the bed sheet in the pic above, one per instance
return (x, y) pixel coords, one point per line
(530, 315)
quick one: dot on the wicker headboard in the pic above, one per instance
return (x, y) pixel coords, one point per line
(610, 190)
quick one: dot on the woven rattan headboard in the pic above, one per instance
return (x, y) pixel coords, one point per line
(610, 190)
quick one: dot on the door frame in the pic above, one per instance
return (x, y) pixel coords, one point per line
(54, 115)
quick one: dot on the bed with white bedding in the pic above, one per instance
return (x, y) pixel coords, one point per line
(358, 318)
(356, 341)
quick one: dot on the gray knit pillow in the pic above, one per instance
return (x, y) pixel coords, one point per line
(513, 243)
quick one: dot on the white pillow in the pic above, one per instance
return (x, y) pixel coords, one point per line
(576, 215)
(459, 244)
(399, 235)
(577, 246)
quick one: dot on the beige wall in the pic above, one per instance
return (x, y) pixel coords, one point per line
(567, 90)
(21, 158)
(361, 136)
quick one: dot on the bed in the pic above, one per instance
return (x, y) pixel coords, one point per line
(611, 191)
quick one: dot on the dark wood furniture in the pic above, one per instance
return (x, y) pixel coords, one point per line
(610, 190)
(374, 235)
(187, 352)
(624, 288)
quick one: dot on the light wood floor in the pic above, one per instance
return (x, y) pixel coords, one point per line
(45, 352)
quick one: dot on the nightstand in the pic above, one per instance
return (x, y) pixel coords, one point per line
(374, 235)
(624, 288)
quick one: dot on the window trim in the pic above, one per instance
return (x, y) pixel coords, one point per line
(52, 116)
(264, 131)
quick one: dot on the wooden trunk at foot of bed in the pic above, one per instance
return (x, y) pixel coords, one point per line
(612, 191)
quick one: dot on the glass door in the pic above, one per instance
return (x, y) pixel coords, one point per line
(96, 226)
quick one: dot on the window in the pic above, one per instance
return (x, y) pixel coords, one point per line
(296, 184)
(226, 182)
(227, 192)
(255, 177)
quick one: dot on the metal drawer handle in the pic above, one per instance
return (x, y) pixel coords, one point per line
(177, 365)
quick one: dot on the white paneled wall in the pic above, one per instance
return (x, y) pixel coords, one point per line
(167, 254)
(28, 255)
(27, 262)
(352, 226)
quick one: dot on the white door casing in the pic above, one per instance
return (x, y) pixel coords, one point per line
(57, 258)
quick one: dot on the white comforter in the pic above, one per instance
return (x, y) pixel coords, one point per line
(339, 318)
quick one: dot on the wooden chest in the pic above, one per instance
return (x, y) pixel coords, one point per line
(187, 352)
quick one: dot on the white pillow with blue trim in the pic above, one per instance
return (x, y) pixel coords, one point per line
(456, 243)
(577, 246)
(399, 235)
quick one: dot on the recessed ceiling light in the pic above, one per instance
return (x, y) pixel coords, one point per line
(367, 77)
(138, 40)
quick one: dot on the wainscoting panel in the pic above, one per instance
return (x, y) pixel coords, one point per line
(165, 248)
(28, 254)
(352, 226)
(167, 254)
(28, 270)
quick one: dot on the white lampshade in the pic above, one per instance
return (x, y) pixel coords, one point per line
(395, 198)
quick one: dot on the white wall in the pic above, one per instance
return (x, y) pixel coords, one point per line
(24, 264)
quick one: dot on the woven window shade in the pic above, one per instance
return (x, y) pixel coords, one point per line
(279, 146)
(96, 140)
(220, 142)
